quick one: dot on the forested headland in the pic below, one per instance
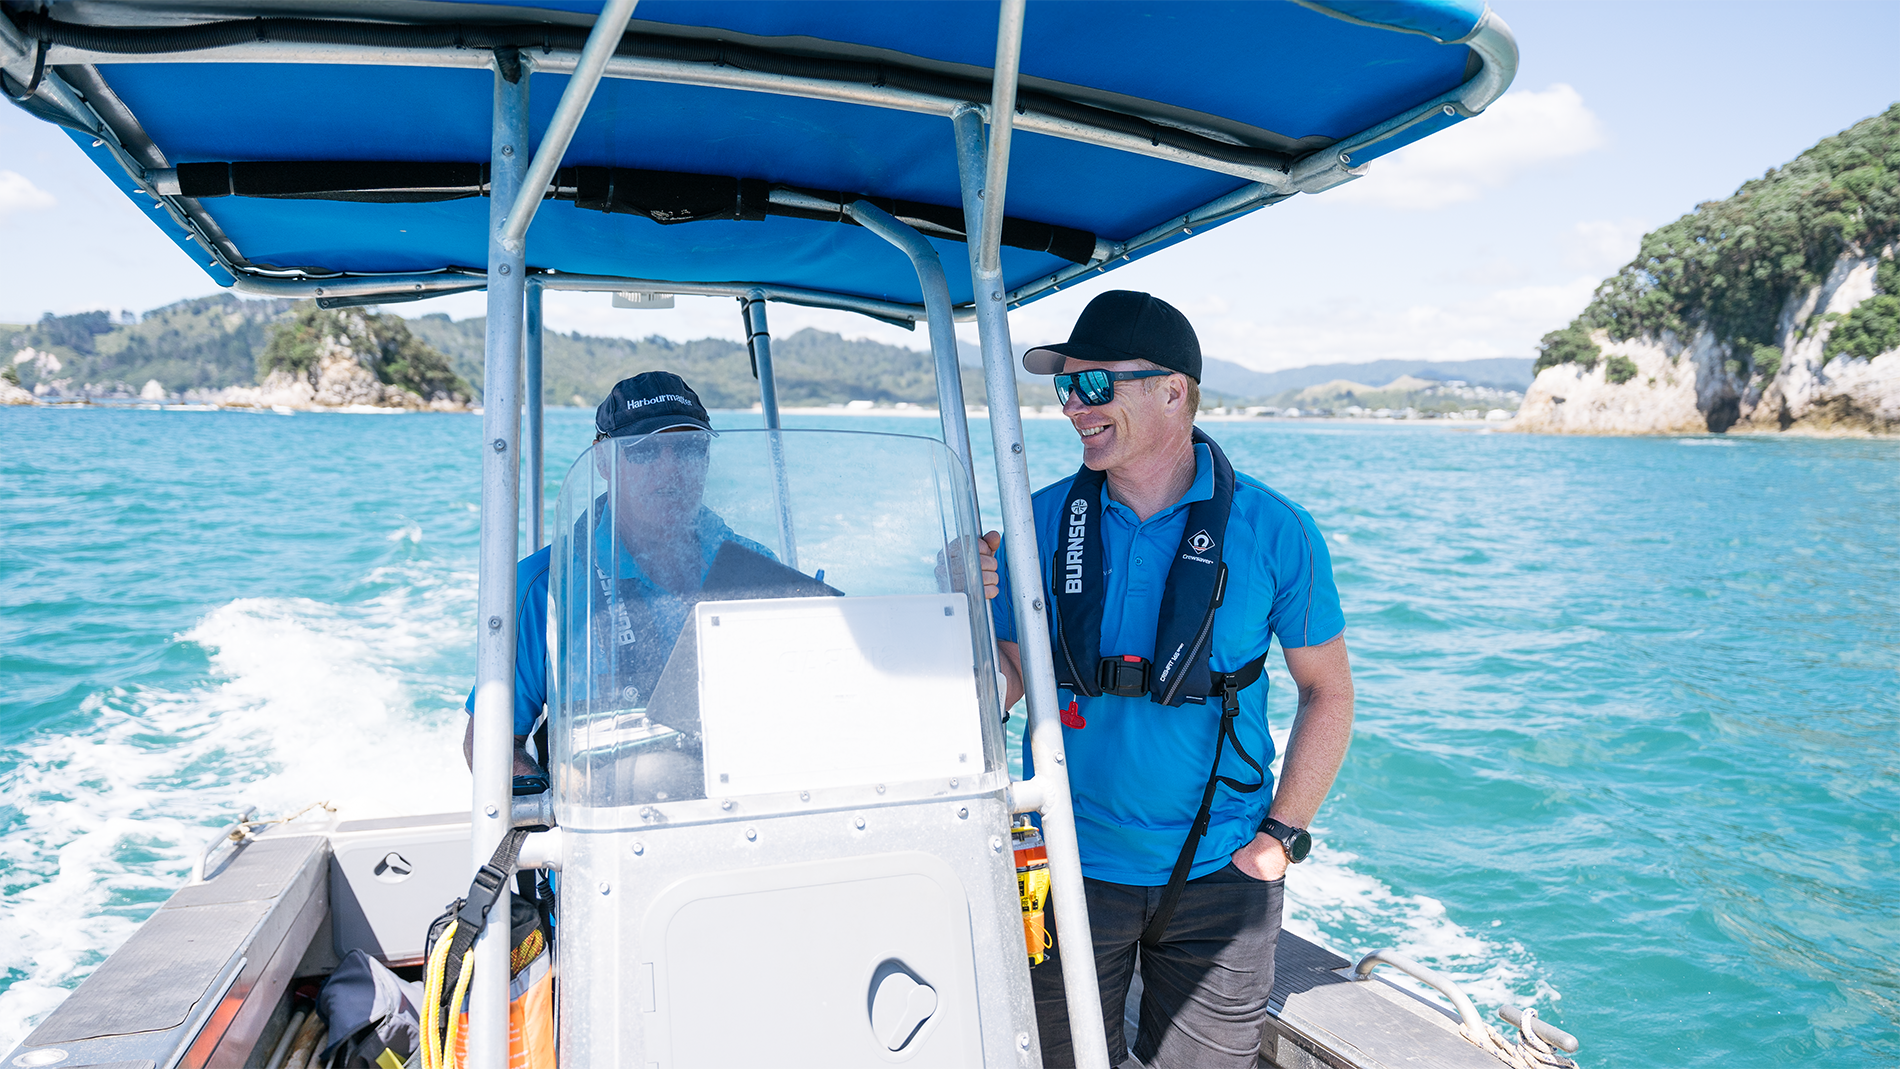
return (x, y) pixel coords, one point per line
(1775, 308)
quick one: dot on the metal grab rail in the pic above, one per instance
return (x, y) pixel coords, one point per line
(1467, 1011)
(230, 834)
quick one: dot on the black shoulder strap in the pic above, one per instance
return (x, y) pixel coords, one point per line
(489, 883)
(1230, 684)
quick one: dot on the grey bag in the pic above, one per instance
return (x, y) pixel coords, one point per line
(375, 1016)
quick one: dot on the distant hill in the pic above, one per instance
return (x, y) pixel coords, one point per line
(205, 343)
(812, 367)
(1501, 373)
(1421, 395)
(209, 343)
(195, 347)
(1224, 380)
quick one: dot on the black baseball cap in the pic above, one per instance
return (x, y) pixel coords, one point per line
(648, 402)
(1125, 325)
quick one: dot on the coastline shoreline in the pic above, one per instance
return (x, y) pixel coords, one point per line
(916, 412)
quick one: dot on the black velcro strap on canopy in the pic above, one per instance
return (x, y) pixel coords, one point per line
(666, 197)
(367, 181)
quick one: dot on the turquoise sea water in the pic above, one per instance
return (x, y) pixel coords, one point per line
(1628, 708)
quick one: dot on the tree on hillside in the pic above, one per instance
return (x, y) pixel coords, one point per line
(383, 343)
(1873, 327)
(1731, 264)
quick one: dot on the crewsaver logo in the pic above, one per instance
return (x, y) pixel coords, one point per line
(1078, 529)
(1201, 542)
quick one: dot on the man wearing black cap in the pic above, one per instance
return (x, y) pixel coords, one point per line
(1168, 574)
(668, 537)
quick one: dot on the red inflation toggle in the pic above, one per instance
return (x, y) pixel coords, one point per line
(1072, 716)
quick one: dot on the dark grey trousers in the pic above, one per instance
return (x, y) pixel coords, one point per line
(1204, 987)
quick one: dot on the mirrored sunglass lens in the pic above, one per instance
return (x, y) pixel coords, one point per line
(1097, 388)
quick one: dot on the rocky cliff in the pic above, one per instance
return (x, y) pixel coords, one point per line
(350, 358)
(1672, 384)
(1776, 310)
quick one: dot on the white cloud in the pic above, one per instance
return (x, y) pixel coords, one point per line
(1601, 246)
(19, 194)
(1522, 130)
(1503, 322)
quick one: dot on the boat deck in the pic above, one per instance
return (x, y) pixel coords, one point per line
(204, 981)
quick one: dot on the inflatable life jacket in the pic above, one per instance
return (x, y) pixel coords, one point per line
(632, 630)
(1180, 670)
(639, 626)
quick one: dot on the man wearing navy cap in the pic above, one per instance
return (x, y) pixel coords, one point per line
(1168, 573)
(668, 536)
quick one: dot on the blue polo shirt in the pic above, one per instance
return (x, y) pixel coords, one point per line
(531, 606)
(1137, 769)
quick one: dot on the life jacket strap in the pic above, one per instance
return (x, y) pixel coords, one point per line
(1229, 685)
(1127, 676)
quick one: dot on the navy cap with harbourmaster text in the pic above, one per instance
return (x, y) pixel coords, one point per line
(648, 402)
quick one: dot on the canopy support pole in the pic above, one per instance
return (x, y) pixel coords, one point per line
(758, 342)
(493, 759)
(950, 408)
(938, 311)
(536, 406)
(601, 42)
(983, 174)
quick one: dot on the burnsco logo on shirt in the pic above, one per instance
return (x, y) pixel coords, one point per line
(1078, 528)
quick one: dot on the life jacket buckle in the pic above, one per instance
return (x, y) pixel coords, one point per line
(1125, 676)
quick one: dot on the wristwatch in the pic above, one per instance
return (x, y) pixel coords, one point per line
(1297, 842)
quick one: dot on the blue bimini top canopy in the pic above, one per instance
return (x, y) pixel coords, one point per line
(341, 150)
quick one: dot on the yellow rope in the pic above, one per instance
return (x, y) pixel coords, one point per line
(455, 1009)
(432, 1053)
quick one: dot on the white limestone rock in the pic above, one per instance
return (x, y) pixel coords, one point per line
(1674, 391)
(1699, 385)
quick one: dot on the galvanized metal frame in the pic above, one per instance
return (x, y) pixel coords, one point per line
(594, 55)
(758, 341)
(982, 170)
(1240, 160)
(951, 412)
(534, 405)
(514, 198)
(1490, 39)
(492, 760)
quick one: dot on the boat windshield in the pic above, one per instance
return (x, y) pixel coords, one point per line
(767, 614)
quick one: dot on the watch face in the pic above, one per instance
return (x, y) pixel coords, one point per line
(1300, 845)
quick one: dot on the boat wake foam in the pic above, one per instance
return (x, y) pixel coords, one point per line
(1330, 903)
(306, 701)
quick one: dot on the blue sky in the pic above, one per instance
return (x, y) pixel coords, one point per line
(1470, 244)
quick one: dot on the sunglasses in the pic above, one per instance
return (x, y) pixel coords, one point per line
(1096, 386)
(685, 448)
